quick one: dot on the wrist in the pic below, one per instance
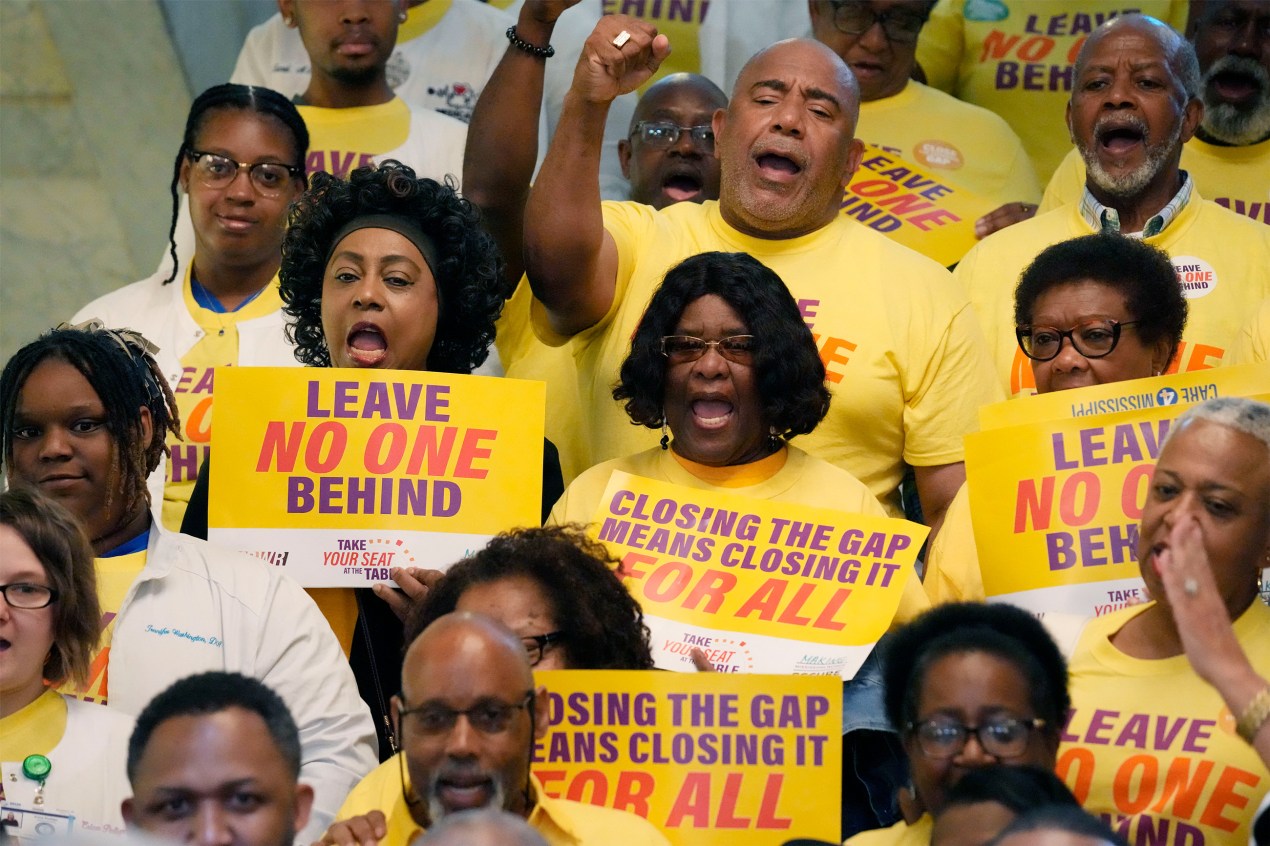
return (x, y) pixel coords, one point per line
(532, 29)
(1252, 719)
(541, 50)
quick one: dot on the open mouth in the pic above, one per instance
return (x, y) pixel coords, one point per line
(4, 644)
(367, 346)
(711, 413)
(778, 167)
(1121, 139)
(683, 186)
(1234, 86)
(461, 793)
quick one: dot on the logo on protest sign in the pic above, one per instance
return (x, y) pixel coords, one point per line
(706, 757)
(351, 473)
(1058, 482)
(758, 586)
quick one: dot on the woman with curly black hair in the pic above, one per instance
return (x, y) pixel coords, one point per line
(725, 366)
(391, 271)
(554, 587)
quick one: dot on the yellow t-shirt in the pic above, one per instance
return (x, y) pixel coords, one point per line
(971, 147)
(788, 476)
(1150, 745)
(906, 364)
(33, 730)
(1252, 345)
(217, 348)
(1223, 260)
(342, 140)
(525, 357)
(952, 559)
(1015, 58)
(900, 834)
(115, 576)
(1235, 177)
(559, 821)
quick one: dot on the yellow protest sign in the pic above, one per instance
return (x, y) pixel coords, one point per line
(914, 206)
(708, 758)
(760, 587)
(1056, 503)
(1243, 380)
(340, 475)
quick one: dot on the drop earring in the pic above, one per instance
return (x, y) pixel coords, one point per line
(401, 17)
(665, 431)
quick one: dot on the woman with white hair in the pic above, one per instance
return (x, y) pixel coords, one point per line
(1170, 725)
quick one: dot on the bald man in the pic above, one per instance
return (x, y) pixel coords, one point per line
(668, 154)
(468, 716)
(904, 390)
(1135, 102)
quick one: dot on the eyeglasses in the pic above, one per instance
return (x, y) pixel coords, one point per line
(26, 595)
(1005, 737)
(852, 17)
(663, 134)
(1092, 339)
(489, 716)
(269, 178)
(681, 349)
(536, 645)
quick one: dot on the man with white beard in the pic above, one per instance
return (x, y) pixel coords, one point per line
(1229, 157)
(1134, 104)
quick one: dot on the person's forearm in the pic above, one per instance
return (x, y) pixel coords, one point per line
(502, 141)
(564, 223)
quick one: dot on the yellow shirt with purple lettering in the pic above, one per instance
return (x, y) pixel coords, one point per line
(217, 348)
(1151, 747)
(115, 575)
(1015, 57)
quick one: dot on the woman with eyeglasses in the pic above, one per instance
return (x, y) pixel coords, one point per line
(1171, 698)
(239, 166)
(724, 364)
(968, 686)
(1089, 311)
(58, 756)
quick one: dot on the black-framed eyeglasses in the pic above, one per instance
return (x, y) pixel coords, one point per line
(488, 716)
(656, 133)
(536, 645)
(681, 349)
(1002, 737)
(27, 595)
(854, 17)
(268, 178)
(1092, 339)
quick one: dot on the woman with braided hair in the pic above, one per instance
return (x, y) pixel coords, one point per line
(240, 165)
(83, 414)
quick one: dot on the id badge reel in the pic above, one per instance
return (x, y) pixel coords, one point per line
(23, 811)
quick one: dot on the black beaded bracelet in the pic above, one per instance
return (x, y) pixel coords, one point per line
(520, 44)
